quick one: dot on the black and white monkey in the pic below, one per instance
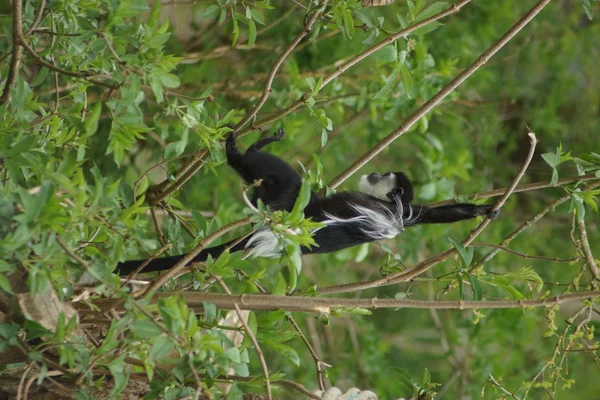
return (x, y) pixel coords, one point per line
(381, 209)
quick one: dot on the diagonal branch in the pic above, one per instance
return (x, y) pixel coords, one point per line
(188, 170)
(161, 280)
(87, 76)
(587, 252)
(435, 100)
(250, 335)
(308, 24)
(17, 53)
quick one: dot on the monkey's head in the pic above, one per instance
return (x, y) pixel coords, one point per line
(384, 187)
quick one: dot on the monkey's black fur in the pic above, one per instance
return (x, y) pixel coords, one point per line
(352, 218)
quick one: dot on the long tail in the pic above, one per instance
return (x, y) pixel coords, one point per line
(165, 263)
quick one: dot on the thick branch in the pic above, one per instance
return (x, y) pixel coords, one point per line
(17, 53)
(329, 304)
(250, 335)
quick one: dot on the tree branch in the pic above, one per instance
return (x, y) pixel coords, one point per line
(521, 188)
(161, 280)
(250, 335)
(83, 75)
(186, 171)
(17, 53)
(435, 100)
(328, 304)
(589, 257)
(308, 24)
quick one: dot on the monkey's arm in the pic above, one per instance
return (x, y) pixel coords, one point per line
(452, 213)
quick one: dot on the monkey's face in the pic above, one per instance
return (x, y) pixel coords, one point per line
(377, 185)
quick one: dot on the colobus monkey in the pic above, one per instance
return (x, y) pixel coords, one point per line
(380, 210)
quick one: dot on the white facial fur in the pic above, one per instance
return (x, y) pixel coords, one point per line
(381, 186)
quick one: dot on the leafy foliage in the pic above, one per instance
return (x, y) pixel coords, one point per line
(119, 96)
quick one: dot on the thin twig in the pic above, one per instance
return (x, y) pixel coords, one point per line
(159, 233)
(158, 282)
(83, 75)
(37, 19)
(438, 97)
(525, 256)
(143, 265)
(85, 264)
(312, 352)
(527, 224)
(250, 335)
(589, 257)
(268, 85)
(521, 188)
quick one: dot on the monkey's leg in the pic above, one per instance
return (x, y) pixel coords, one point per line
(237, 160)
(259, 144)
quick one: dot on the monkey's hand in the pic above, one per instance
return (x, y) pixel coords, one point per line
(489, 213)
(279, 134)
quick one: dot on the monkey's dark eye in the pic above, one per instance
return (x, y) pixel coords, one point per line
(388, 175)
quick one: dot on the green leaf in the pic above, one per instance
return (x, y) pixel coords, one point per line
(284, 350)
(157, 89)
(302, 201)
(430, 27)
(91, 122)
(390, 83)
(236, 31)
(279, 286)
(367, 17)
(145, 329)
(154, 16)
(40, 77)
(475, 287)
(403, 376)
(387, 53)
(348, 23)
(5, 284)
(162, 347)
(552, 159)
(211, 11)
(233, 354)
(251, 32)
(433, 9)
(407, 80)
(210, 310)
(465, 254)
(170, 80)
